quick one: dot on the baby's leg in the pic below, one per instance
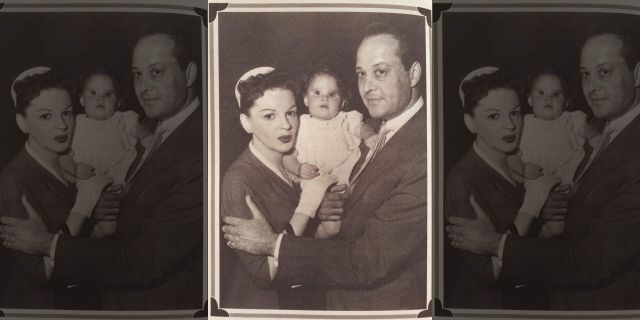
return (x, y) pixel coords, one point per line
(552, 229)
(536, 194)
(103, 229)
(88, 194)
(328, 229)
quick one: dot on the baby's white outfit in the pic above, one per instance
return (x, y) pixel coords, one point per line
(331, 145)
(109, 147)
(555, 145)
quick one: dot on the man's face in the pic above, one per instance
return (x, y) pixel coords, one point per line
(160, 83)
(607, 81)
(383, 82)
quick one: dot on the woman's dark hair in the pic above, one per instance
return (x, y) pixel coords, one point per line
(478, 87)
(103, 71)
(254, 87)
(548, 70)
(30, 87)
(326, 70)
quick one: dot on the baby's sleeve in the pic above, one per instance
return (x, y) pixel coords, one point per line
(354, 121)
(525, 139)
(577, 123)
(130, 121)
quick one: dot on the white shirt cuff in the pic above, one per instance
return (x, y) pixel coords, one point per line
(273, 260)
(497, 261)
(49, 261)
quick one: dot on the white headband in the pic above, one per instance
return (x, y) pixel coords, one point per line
(251, 73)
(475, 73)
(27, 73)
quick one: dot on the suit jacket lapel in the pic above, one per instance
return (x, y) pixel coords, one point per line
(609, 159)
(386, 159)
(165, 157)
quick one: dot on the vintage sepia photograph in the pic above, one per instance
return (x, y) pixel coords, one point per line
(538, 158)
(322, 155)
(101, 174)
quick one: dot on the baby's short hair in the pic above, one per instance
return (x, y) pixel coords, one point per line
(325, 69)
(100, 70)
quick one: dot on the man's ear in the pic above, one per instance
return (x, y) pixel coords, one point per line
(22, 124)
(191, 73)
(246, 124)
(636, 75)
(415, 72)
(530, 101)
(470, 123)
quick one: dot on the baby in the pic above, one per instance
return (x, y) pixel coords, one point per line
(102, 149)
(552, 144)
(327, 145)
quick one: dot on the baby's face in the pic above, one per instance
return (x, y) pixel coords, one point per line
(323, 97)
(99, 97)
(547, 97)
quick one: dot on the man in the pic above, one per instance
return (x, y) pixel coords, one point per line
(378, 259)
(154, 260)
(594, 265)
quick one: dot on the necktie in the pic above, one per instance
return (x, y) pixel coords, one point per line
(606, 139)
(382, 137)
(155, 144)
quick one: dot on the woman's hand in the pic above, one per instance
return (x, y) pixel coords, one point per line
(84, 171)
(476, 235)
(30, 235)
(532, 171)
(307, 171)
(253, 236)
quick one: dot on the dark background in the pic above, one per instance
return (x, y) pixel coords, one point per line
(516, 41)
(295, 42)
(72, 42)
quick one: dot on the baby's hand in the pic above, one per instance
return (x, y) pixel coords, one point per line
(532, 171)
(371, 141)
(84, 171)
(307, 171)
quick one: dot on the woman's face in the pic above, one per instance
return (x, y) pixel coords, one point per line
(49, 121)
(497, 121)
(273, 121)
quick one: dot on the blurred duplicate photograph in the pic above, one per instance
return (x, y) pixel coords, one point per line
(322, 150)
(101, 183)
(540, 139)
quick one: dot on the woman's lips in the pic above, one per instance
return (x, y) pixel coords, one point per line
(285, 139)
(61, 138)
(509, 138)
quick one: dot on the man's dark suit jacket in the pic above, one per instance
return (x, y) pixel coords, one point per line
(596, 264)
(154, 261)
(378, 260)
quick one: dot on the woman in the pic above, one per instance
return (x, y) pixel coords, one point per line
(44, 113)
(267, 100)
(491, 101)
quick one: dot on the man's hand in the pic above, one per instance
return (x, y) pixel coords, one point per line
(555, 208)
(30, 235)
(108, 206)
(332, 207)
(475, 235)
(253, 236)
